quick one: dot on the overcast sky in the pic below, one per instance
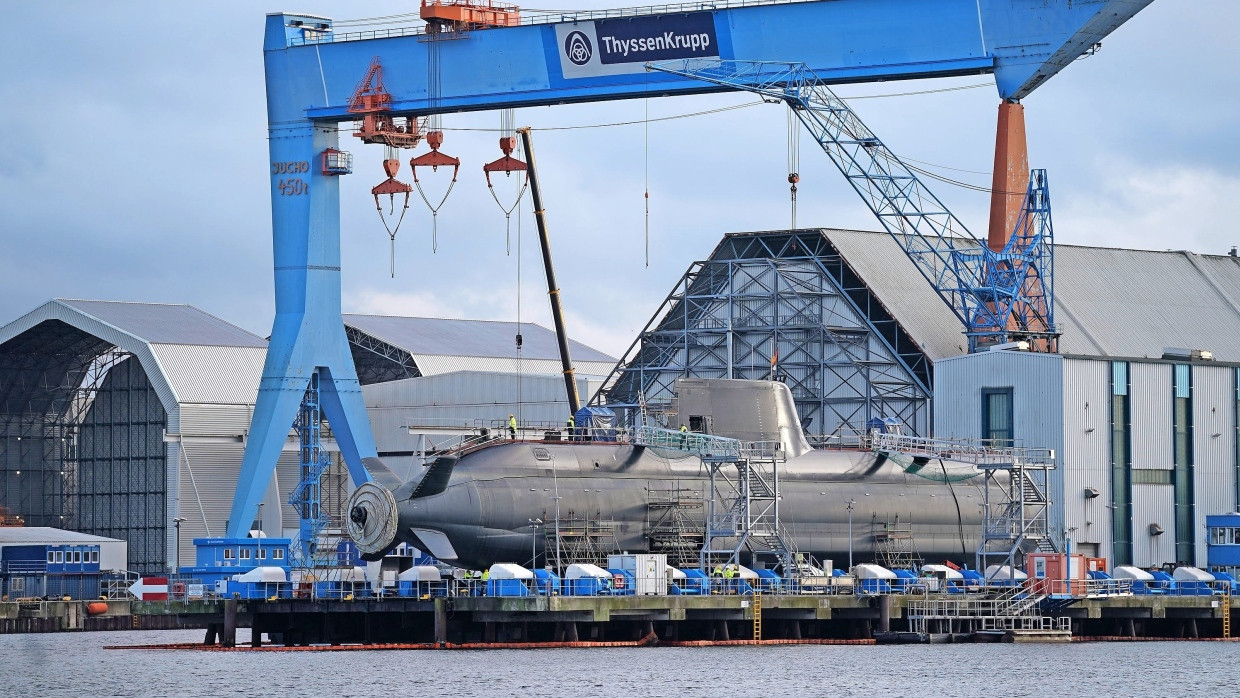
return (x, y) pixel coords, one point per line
(134, 159)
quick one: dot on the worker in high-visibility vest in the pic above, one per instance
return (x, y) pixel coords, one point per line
(684, 434)
(572, 428)
(512, 427)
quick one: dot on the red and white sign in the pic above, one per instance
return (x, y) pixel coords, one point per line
(150, 589)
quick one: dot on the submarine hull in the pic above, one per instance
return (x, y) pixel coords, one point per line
(482, 513)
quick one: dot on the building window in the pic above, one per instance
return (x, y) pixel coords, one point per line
(229, 553)
(277, 554)
(1121, 464)
(94, 556)
(51, 557)
(245, 553)
(17, 584)
(77, 557)
(1182, 459)
(262, 553)
(60, 557)
(997, 416)
(1142, 476)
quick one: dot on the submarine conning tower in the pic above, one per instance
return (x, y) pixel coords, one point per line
(746, 410)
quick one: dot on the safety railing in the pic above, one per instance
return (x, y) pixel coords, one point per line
(532, 17)
(979, 452)
(705, 445)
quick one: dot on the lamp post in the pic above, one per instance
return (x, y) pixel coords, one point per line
(534, 524)
(261, 533)
(851, 504)
(177, 522)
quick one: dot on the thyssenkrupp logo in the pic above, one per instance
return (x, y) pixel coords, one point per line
(578, 49)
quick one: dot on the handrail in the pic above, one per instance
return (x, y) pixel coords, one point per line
(980, 453)
(536, 17)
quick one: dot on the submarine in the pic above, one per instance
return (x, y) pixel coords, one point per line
(484, 503)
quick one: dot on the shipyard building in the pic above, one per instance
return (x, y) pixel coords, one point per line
(1140, 405)
(129, 420)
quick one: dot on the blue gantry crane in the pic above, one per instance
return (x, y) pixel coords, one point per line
(499, 59)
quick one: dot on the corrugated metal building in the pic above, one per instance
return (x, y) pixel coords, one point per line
(118, 418)
(1147, 440)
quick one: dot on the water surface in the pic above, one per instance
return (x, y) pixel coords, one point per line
(74, 664)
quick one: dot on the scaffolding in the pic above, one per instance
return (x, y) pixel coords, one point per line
(673, 523)
(579, 540)
(1015, 491)
(786, 306)
(743, 508)
(895, 546)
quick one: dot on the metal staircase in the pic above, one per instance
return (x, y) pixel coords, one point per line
(1009, 610)
(743, 506)
(1015, 491)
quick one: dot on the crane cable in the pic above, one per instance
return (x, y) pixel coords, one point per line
(647, 175)
(391, 153)
(507, 127)
(520, 379)
(794, 159)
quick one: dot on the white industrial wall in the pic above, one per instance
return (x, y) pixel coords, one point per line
(1077, 424)
(1037, 383)
(113, 555)
(1153, 504)
(1151, 400)
(1085, 459)
(1214, 446)
(206, 452)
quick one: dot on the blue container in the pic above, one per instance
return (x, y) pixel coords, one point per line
(904, 578)
(1163, 581)
(507, 587)
(768, 581)
(623, 583)
(873, 586)
(251, 590)
(586, 586)
(1222, 579)
(546, 583)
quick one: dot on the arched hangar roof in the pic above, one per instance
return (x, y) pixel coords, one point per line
(187, 354)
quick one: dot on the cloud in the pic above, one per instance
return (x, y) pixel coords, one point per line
(1151, 207)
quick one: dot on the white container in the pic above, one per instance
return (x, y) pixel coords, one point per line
(268, 574)
(1192, 574)
(1134, 573)
(581, 571)
(1004, 573)
(507, 570)
(420, 573)
(868, 571)
(649, 571)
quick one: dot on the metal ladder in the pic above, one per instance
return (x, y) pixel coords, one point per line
(1226, 613)
(757, 617)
